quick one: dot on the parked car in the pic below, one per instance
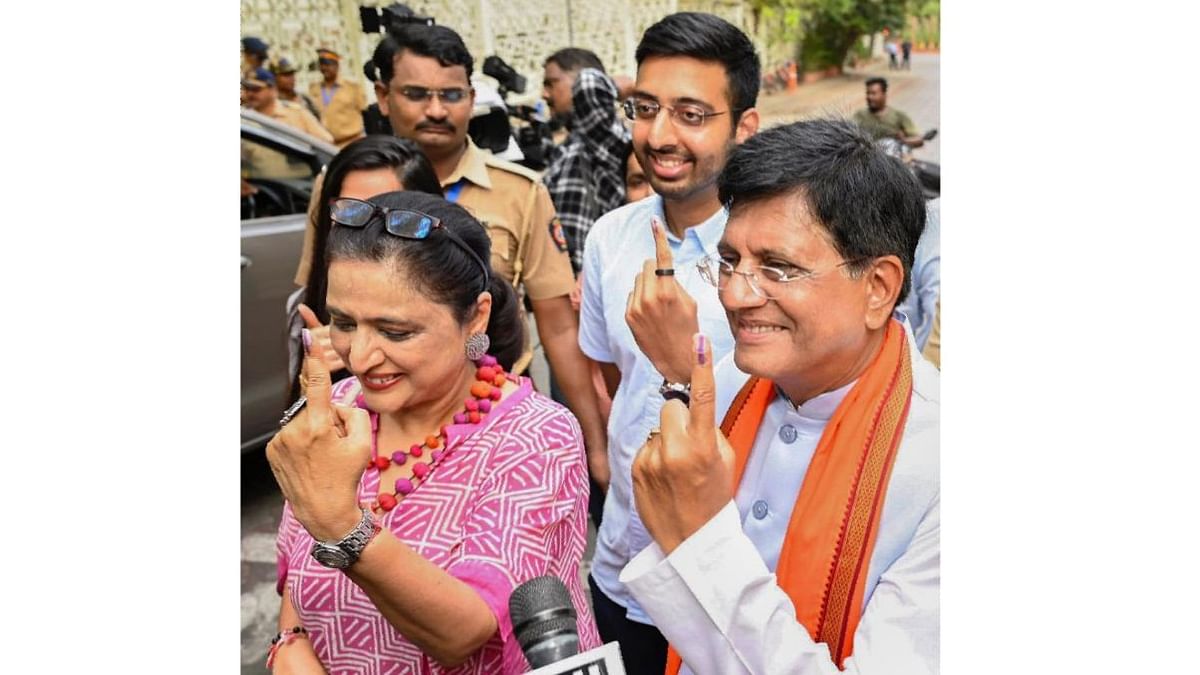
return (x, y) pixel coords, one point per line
(279, 164)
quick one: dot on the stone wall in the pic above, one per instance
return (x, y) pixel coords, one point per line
(522, 33)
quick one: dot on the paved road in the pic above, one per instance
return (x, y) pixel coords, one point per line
(262, 506)
(915, 92)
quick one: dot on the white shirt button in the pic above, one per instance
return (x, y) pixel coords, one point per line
(760, 509)
(788, 433)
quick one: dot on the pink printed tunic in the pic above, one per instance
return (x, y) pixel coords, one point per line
(507, 503)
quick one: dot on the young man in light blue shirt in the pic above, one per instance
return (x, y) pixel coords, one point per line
(697, 84)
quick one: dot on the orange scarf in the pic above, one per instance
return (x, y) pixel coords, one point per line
(827, 548)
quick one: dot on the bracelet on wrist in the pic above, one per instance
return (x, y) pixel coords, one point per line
(284, 637)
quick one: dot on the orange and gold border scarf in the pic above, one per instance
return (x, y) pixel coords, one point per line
(831, 534)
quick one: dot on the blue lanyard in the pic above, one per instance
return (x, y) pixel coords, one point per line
(453, 190)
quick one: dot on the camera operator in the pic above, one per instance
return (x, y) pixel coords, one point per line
(586, 175)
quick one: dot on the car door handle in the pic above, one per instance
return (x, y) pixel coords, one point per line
(246, 262)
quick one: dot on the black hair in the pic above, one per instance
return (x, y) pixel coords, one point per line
(437, 42)
(708, 38)
(437, 267)
(869, 203)
(574, 59)
(373, 152)
(879, 81)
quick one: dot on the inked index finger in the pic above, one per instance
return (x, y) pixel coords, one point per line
(662, 249)
(309, 316)
(702, 408)
(317, 385)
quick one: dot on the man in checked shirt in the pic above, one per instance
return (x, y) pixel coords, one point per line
(586, 174)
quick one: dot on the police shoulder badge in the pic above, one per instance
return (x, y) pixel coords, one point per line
(556, 233)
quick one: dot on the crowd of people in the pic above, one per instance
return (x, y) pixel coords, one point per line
(734, 320)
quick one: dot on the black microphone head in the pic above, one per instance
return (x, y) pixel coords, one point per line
(543, 618)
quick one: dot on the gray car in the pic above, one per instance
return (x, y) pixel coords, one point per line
(279, 164)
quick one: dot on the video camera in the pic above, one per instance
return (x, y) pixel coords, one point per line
(390, 19)
(491, 129)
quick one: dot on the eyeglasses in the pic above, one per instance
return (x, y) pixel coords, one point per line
(403, 223)
(419, 94)
(688, 115)
(765, 281)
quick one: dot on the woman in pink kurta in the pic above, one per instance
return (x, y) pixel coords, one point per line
(502, 500)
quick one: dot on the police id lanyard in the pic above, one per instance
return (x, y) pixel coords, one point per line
(453, 191)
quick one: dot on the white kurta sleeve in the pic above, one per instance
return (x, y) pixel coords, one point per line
(721, 608)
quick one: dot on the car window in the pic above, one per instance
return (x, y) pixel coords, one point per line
(274, 182)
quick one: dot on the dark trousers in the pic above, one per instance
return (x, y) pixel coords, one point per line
(643, 648)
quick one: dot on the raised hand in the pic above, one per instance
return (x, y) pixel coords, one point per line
(683, 475)
(320, 337)
(661, 314)
(319, 457)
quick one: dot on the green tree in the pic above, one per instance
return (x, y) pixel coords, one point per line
(928, 24)
(826, 30)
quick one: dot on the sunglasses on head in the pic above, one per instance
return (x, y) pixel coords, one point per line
(404, 223)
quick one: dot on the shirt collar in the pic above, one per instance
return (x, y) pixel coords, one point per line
(470, 166)
(819, 408)
(707, 233)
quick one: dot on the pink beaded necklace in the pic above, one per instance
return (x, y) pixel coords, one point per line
(489, 378)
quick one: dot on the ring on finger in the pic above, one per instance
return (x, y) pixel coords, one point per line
(664, 272)
(292, 411)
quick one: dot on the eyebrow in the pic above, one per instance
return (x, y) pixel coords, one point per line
(762, 254)
(682, 100)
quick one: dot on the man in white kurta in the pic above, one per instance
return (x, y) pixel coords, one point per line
(745, 623)
(818, 248)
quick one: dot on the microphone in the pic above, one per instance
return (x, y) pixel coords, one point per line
(544, 622)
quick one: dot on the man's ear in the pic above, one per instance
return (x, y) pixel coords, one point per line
(747, 125)
(381, 96)
(882, 283)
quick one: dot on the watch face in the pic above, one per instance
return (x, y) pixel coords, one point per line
(331, 556)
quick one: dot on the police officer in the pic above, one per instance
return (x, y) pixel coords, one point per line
(285, 84)
(254, 54)
(340, 101)
(260, 94)
(424, 89)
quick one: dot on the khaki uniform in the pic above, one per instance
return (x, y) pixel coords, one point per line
(514, 206)
(295, 115)
(528, 249)
(343, 115)
(259, 161)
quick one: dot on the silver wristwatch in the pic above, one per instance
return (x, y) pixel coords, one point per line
(341, 554)
(676, 390)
